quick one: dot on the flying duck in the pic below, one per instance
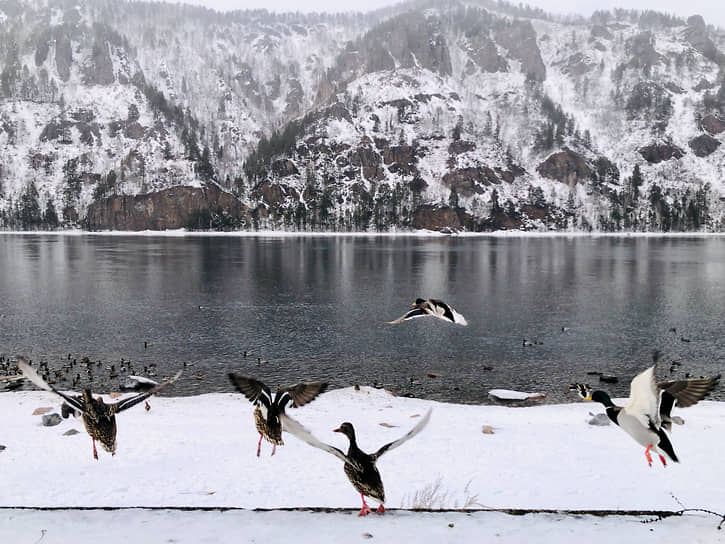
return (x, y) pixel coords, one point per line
(359, 466)
(434, 307)
(268, 408)
(680, 393)
(641, 418)
(98, 417)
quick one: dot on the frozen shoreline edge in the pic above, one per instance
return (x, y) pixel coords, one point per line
(183, 233)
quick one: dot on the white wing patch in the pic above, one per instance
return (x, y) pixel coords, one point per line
(458, 318)
(644, 398)
(30, 373)
(295, 428)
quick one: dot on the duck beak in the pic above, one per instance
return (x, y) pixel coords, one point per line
(338, 430)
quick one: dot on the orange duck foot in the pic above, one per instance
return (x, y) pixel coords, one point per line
(647, 455)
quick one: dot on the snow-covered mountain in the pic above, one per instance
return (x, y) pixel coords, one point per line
(471, 115)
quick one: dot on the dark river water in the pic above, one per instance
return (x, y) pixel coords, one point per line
(309, 308)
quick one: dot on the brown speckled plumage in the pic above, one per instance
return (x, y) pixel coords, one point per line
(268, 409)
(99, 418)
(271, 433)
(360, 467)
(361, 471)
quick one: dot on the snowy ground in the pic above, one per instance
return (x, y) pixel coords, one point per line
(200, 452)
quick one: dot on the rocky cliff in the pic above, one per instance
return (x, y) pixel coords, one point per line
(476, 116)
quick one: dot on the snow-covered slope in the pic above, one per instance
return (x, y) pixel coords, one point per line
(473, 116)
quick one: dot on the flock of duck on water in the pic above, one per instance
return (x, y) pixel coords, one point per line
(646, 416)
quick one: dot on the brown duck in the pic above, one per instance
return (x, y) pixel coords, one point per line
(98, 417)
(360, 467)
(268, 409)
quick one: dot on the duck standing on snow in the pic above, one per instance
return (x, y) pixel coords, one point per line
(680, 393)
(98, 417)
(434, 307)
(641, 418)
(360, 467)
(268, 409)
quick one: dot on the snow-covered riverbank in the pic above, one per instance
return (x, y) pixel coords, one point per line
(200, 452)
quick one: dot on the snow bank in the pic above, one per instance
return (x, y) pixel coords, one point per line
(200, 451)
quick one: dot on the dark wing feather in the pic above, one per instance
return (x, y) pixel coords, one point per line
(447, 313)
(416, 312)
(125, 404)
(30, 373)
(302, 393)
(410, 434)
(667, 401)
(688, 392)
(253, 389)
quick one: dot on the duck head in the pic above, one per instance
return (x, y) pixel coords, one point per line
(346, 429)
(418, 302)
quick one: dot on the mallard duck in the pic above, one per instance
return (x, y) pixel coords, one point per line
(640, 418)
(360, 467)
(98, 417)
(268, 409)
(433, 307)
(680, 393)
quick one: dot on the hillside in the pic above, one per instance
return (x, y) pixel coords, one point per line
(474, 116)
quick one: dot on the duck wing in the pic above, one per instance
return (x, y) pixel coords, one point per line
(415, 312)
(644, 399)
(295, 428)
(30, 373)
(446, 312)
(125, 404)
(687, 392)
(302, 393)
(251, 388)
(407, 436)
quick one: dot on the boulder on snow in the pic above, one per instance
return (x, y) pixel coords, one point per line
(599, 420)
(51, 420)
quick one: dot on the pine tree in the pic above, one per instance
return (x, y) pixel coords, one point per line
(29, 208)
(50, 216)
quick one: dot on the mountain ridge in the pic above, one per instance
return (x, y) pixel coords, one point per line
(477, 116)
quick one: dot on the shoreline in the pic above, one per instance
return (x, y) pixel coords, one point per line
(183, 233)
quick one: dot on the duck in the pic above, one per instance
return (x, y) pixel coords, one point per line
(360, 467)
(680, 393)
(432, 307)
(98, 417)
(640, 418)
(267, 409)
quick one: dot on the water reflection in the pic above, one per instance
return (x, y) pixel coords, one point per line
(315, 307)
